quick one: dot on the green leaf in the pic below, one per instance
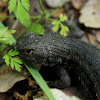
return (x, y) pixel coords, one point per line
(17, 66)
(12, 5)
(36, 29)
(62, 18)
(13, 53)
(11, 31)
(20, 8)
(22, 15)
(17, 60)
(25, 4)
(55, 28)
(3, 31)
(15, 63)
(38, 78)
(55, 22)
(64, 30)
(5, 36)
(12, 40)
(7, 60)
(12, 63)
(10, 51)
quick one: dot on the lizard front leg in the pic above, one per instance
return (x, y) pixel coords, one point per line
(59, 75)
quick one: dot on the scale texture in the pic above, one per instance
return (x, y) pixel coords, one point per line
(52, 49)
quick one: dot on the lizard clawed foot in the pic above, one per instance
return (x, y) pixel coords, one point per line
(64, 79)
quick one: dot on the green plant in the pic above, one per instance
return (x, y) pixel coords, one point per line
(6, 38)
(14, 62)
(58, 24)
(20, 9)
(6, 35)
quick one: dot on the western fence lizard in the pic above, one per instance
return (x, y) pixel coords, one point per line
(53, 49)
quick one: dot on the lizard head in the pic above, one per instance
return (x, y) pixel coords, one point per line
(37, 48)
(31, 47)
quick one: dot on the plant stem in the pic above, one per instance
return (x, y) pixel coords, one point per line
(38, 20)
(43, 10)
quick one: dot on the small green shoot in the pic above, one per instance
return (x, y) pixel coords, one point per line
(20, 9)
(58, 24)
(13, 62)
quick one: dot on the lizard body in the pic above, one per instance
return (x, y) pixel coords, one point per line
(52, 49)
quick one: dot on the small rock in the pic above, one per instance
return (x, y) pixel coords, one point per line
(59, 95)
(90, 14)
(55, 3)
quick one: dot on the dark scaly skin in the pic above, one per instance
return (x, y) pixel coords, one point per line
(52, 49)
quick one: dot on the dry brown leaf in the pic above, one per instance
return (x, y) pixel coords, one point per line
(98, 36)
(91, 38)
(3, 4)
(90, 14)
(78, 3)
(56, 15)
(7, 80)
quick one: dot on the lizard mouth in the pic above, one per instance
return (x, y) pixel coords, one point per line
(32, 58)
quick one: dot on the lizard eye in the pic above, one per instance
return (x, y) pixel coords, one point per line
(30, 51)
